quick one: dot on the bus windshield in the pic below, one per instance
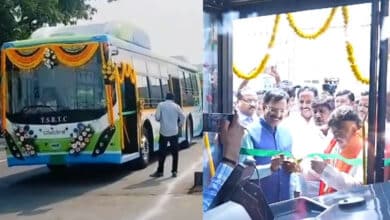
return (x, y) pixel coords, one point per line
(46, 90)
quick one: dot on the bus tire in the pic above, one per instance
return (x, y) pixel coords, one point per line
(189, 132)
(144, 149)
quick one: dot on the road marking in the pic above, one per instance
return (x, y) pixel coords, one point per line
(159, 207)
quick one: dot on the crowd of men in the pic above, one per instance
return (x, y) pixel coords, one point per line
(301, 121)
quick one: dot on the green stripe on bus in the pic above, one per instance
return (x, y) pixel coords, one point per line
(52, 40)
(129, 113)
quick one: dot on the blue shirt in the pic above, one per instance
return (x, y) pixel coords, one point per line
(260, 135)
(221, 175)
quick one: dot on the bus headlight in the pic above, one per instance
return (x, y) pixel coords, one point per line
(104, 140)
(13, 148)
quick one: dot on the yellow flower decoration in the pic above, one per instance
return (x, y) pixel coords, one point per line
(260, 68)
(109, 69)
(349, 48)
(311, 36)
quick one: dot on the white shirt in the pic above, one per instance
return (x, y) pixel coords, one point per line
(307, 138)
(304, 135)
(340, 180)
(246, 120)
(168, 113)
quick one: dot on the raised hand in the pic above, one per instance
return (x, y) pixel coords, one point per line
(231, 135)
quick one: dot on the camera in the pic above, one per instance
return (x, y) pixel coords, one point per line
(330, 85)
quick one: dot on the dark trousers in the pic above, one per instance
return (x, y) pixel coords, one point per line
(173, 141)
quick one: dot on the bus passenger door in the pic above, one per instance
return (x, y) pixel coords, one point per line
(129, 117)
(176, 90)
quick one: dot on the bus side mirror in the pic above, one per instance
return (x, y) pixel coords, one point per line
(114, 50)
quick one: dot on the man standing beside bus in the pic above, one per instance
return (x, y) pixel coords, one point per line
(167, 113)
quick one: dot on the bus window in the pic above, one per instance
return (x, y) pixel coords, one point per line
(194, 84)
(164, 86)
(188, 83)
(188, 99)
(143, 92)
(183, 82)
(155, 91)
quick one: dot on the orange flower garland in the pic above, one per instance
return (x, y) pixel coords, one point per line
(3, 91)
(68, 59)
(25, 62)
(74, 60)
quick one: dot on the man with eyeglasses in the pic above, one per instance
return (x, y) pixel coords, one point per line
(266, 134)
(246, 106)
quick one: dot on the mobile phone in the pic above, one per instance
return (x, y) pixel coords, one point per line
(213, 122)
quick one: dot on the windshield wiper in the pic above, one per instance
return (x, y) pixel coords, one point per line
(31, 109)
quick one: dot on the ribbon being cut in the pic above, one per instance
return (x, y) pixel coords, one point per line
(271, 153)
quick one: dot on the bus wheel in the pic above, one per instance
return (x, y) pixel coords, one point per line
(144, 149)
(189, 134)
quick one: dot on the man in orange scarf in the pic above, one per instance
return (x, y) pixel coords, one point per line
(348, 142)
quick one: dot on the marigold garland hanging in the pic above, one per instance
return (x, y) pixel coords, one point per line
(319, 32)
(77, 59)
(260, 68)
(349, 48)
(30, 61)
(25, 62)
(4, 91)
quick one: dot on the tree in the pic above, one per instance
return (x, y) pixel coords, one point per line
(19, 18)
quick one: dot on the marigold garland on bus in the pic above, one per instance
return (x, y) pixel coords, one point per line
(84, 113)
(31, 60)
(316, 34)
(3, 91)
(75, 59)
(111, 72)
(260, 68)
(350, 51)
(24, 62)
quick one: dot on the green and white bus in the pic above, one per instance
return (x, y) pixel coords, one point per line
(87, 94)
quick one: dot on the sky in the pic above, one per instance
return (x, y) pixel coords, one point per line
(299, 59)
(174, 26)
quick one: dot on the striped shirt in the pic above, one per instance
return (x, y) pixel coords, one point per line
(221, 175)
